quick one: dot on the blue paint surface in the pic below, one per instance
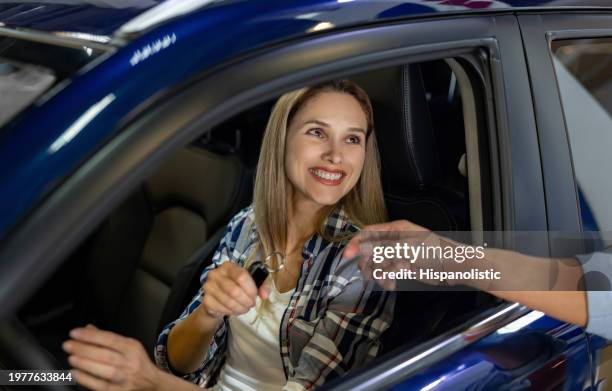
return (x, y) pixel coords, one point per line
(30, 167)
(104, 19)
(543, 354)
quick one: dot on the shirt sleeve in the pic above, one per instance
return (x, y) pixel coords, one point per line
(597, 269)
(222, 254)
(348, 335)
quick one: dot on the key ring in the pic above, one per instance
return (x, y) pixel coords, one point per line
(280, 267)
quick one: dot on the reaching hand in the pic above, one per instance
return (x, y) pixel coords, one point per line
(393, 235)
(108, 361)
(352, 248)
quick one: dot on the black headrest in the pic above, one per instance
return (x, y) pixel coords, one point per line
(240, 135)
(403, 128)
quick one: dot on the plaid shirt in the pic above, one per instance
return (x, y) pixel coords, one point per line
(332, 323)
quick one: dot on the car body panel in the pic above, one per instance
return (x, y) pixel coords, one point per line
(85, 17)
(136, 72)
(601, 356)
(103, 18)
(533, 352)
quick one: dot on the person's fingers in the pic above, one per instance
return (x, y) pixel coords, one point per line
(90, 382)
(366, 266)
(396, 225)
(86, 350)
(106, 372)
(215, 307)
(352, 247)
(264, 291)
(99, 337)
(391, 230)
(380, 227)
(242, 278)
(217, 290)
(238, 294)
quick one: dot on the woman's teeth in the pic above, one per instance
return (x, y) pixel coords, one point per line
(327, 175)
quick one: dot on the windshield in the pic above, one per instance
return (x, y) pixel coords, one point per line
(20, 85)
(28, 69)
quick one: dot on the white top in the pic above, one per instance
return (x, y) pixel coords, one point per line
(253, 361)
(597, 269)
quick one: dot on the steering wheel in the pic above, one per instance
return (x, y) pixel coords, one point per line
(20, 350)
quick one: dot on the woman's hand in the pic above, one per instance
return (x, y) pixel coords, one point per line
(230, 290)
(108, 361)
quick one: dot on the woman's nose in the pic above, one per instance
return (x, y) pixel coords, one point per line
(333, 154)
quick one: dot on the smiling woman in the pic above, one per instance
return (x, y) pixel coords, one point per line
(303, 209)
(326, 143)
(317, 183)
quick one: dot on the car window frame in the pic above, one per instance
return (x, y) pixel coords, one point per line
(539, 30)
(146, 140)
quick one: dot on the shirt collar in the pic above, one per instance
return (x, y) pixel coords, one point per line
(337, 222)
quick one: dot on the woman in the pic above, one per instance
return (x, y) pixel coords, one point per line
(317, 182)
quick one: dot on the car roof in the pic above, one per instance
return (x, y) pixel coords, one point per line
(50, 138)
(115, 21)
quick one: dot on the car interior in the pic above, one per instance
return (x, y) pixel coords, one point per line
(140, 267)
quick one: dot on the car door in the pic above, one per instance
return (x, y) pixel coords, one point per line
(507, 347)
(570, 58)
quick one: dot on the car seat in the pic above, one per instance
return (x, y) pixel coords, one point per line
(138, 251)
(415, 186)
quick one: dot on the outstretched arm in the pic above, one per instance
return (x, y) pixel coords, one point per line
(564, 301)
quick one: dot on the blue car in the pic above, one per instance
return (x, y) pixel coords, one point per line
(130, 131)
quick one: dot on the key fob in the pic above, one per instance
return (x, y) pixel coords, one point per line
(259, 275)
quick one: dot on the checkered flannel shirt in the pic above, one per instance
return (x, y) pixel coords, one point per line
(332, 324)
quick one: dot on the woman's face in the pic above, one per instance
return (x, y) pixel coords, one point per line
(325, 148)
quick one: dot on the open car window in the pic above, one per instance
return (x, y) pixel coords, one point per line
(154, 245)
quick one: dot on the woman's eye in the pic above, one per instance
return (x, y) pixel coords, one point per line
(316, 132)
(354, 140)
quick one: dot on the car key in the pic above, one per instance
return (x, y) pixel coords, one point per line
(259, 275)
(261, 272)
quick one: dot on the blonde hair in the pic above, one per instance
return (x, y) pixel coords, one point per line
(364, 204)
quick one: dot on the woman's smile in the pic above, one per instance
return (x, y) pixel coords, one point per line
(327, 176)
(325, 149)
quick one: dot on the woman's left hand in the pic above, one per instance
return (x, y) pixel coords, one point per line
(107, 361)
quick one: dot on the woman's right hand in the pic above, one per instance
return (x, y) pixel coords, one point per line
(230, 290)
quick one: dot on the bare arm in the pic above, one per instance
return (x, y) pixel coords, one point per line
(189, 339)
(526, 279)
(563, 301)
